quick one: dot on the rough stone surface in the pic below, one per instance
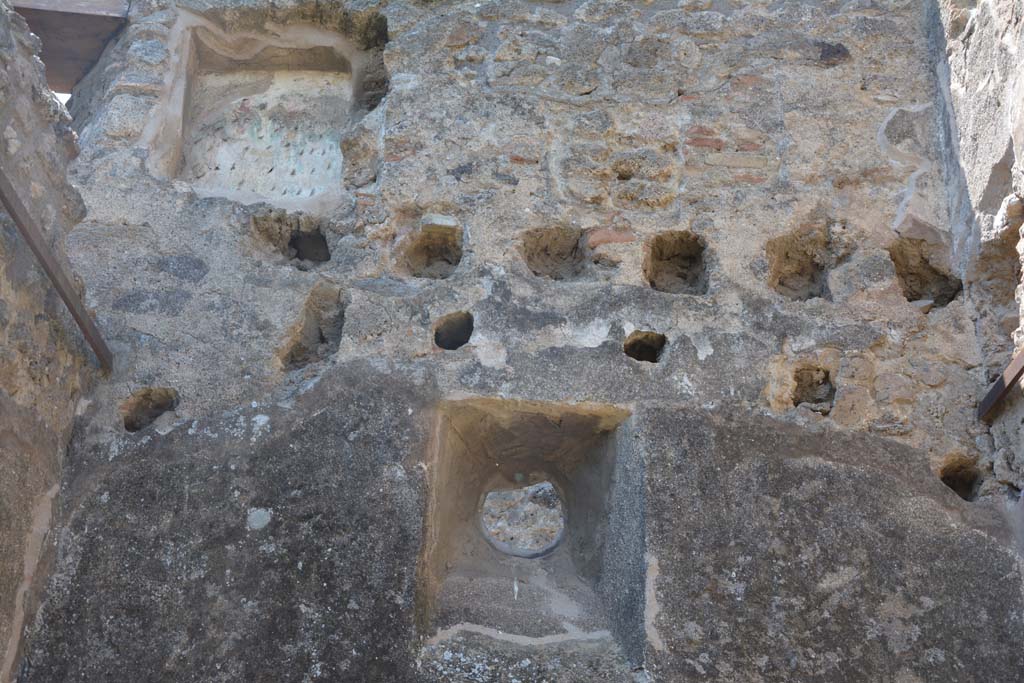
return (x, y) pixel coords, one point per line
(784, 554)
(771, 193)
(773, 552)
(982, 41)
(527, 520)
(557, 193)
(43, 362)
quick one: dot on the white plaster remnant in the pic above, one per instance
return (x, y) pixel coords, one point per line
(570, 635)
(651, 606)
(11, 140)
(591, 335)
(703, 346)
(259, 518)
(260, 426)
(489, 352)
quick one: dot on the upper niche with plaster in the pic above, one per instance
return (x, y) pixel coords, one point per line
(259, 117)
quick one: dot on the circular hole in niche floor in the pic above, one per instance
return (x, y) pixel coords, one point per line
(453, 330)
(526, 522)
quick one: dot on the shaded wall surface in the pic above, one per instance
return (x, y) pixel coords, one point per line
(982, 41)
(42, 363)
(738, 231)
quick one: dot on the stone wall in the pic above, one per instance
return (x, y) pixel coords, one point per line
(702, 265)
(774, 201)
(982, 41)
(43, 363)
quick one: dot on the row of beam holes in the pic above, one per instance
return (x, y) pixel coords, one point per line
(799, 263)
(674, 261)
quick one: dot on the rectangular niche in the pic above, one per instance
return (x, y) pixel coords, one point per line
(591, 584)
(258, 117)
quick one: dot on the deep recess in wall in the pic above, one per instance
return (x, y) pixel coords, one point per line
(961, 474)
(674, 262)
(309, 246)
(244, 146)
(814, 389)
(435, 249)
(453, 331)
(591, 577)
(297, 236)
(318, 331)
(144, 406)
(644, 346)
(918, 274)
(799, 261)
(264, 115)
(558, 253)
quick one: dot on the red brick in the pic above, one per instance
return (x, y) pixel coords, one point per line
(596, 238)
(714, 143)
(702, 131)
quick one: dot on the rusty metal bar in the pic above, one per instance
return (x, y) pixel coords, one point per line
(33, 235)
(1002, 386)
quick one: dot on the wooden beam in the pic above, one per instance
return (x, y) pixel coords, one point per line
(31, 233)
(74, 34)
(105, 8)
(998, 391)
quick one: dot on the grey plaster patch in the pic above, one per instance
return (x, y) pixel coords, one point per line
(183, 267)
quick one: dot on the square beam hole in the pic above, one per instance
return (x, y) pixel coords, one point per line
(534, 524)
